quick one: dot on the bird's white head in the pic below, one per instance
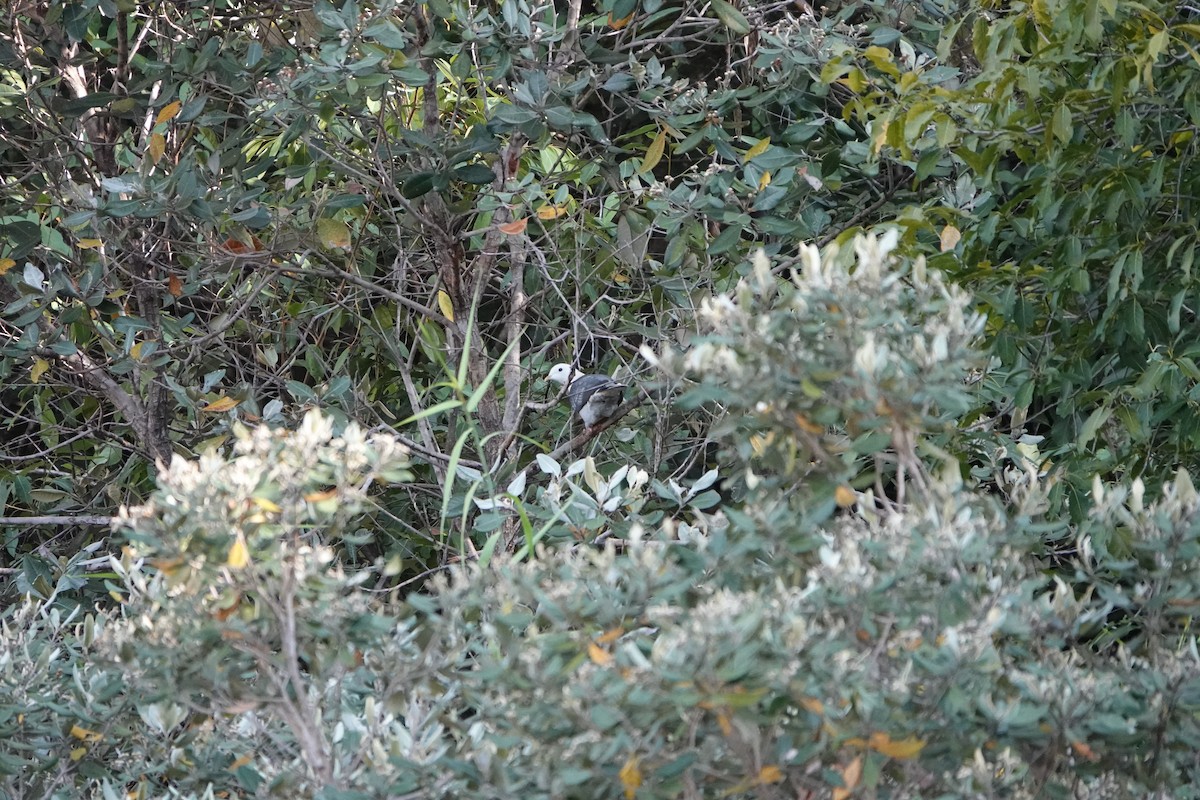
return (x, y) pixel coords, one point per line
(562, 373)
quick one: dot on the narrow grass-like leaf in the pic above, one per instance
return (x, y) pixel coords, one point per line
(451, 471)
(438, 408)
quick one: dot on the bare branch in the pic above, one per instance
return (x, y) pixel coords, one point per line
(58, 519)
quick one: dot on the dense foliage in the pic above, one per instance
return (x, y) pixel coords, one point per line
(767, 649)
(910, 514)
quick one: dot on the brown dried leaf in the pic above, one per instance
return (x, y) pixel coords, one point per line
(514, 227)
(158, 146)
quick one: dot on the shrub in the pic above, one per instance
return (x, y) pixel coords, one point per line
(800, 636)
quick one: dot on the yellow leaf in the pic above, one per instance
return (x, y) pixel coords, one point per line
(88, 244)
(239, 554)
(265, 504)
(168, 566)
(770, 774)
(599, 655)
(759, 444)
(812, 705)
(158, 146)
(631, 777)
(880, 138)
(882, 59)
(757, 150)
(896, 748)
(855, 80)
(515, 227)
(168, 112)
(851, 775)
(807, 425)
(78, 753)
(136, 350)
(6, 264)
(221, 404)
(950, 237)
(844, 496)
(445, 304)
(1029, 452)
(333, 233)
(654, 153)
(40, 365)
(320, 497)
(620, 277)
(83, 734)
(764, 181)
(240, 762)
(551, 212)
(1041, 14)
(724, 722)
(610, 636)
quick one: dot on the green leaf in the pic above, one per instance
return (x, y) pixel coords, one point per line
(1091, 426)
(513, 115)
(1061, 123)
(725, 241)
(345, 201)
(19, 238)
(730, 17)
(94, 100)
(475, 173)
(417, 185)
(387, 33)
(438, 408)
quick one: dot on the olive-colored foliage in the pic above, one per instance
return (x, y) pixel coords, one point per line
(393, 211)
(1063, 150)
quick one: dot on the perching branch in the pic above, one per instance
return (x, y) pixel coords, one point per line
(591, 433)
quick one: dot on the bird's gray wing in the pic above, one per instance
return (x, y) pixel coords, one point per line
(595, 398)
(583, 387)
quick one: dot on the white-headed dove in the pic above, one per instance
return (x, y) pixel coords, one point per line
(593, 397)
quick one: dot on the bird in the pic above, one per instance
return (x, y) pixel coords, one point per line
(594, 398)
